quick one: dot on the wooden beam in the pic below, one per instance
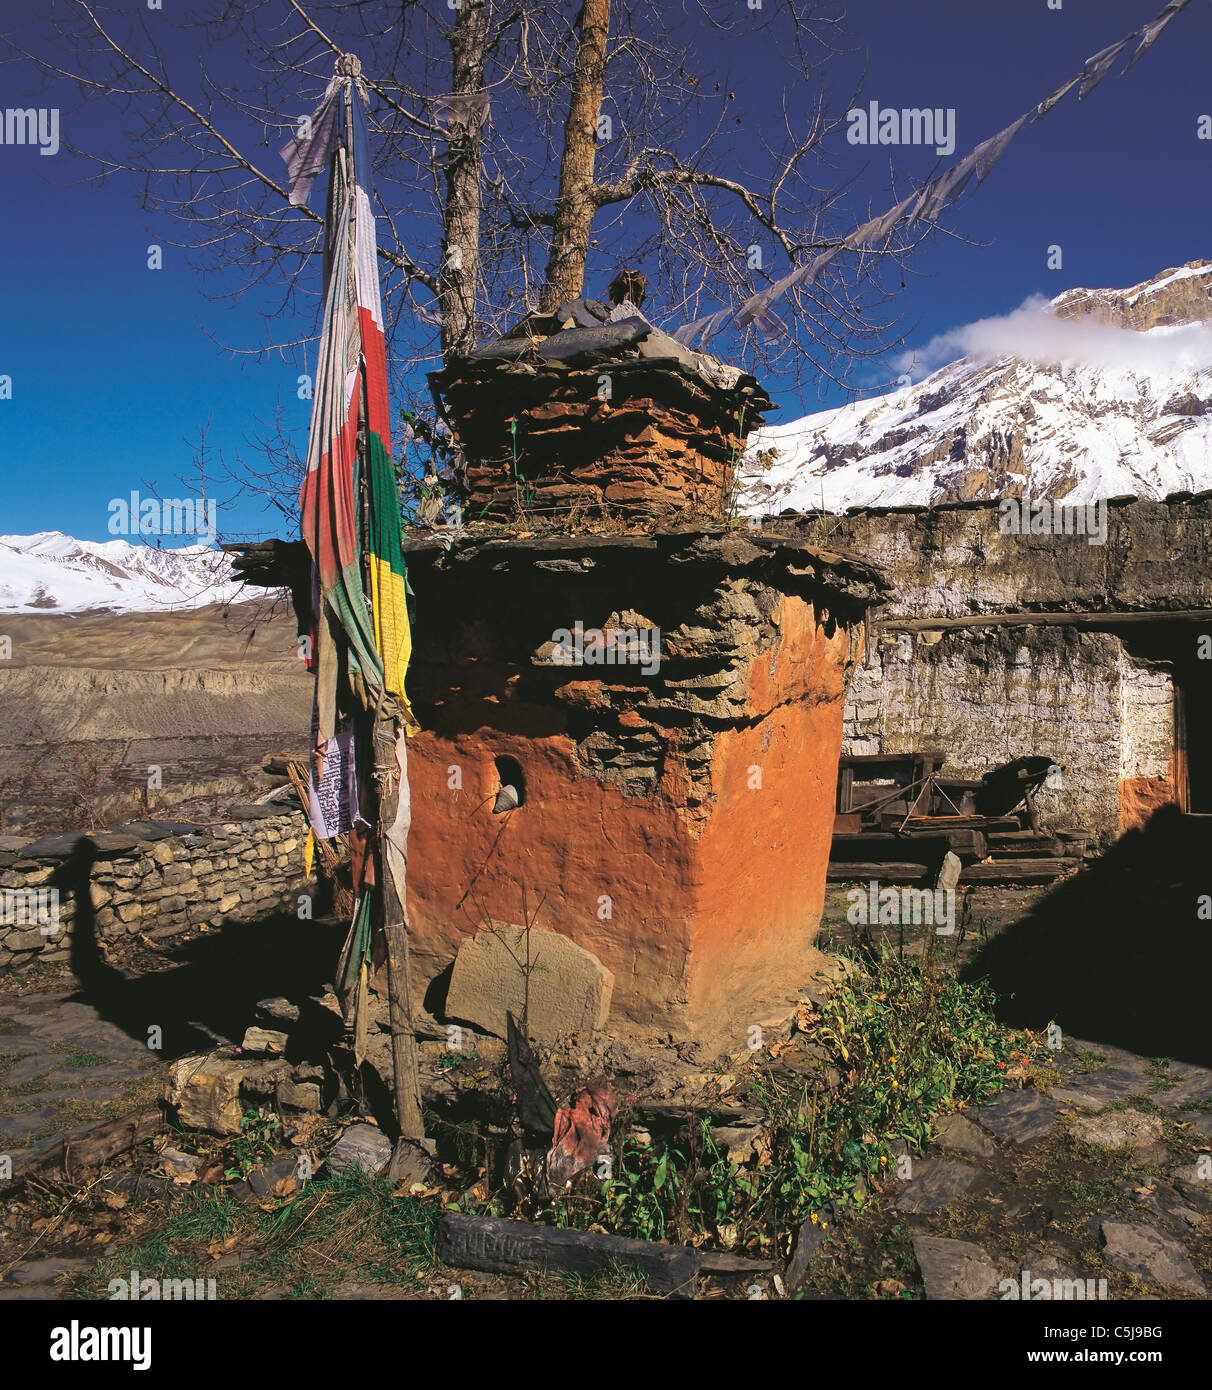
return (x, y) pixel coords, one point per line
(1088, 619)
(514, 1247)
(891, 872)
(1019, 871)
(100, 1142)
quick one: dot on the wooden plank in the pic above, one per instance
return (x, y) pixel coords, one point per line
(1019, 871)
(967, 843)
(99, 1143)
(892, 872)
(513, 1247)
(886, 847)
(959, 837)
(868, 845)
(990, 825)
(721, 1262)
(1041, 848)
(670, 1111)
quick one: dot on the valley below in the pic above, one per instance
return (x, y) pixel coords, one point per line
(113, 715)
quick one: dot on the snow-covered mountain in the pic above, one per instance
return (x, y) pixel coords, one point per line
(50, 572)
(1097, 393)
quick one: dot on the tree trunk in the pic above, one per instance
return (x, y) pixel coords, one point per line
(575, 205)
(460, 268)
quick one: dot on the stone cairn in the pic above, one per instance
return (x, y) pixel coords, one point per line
(593, 411)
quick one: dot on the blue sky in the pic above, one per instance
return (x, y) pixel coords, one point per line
(114, 368)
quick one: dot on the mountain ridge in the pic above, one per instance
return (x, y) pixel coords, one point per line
(51, 572)
(1134, 418)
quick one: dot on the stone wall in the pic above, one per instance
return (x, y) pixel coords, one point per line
(605, 418)
(987, 696)
(1081, 693)
(158, 877)
(953, 561)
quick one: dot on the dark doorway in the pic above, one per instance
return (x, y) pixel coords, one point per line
(1178, 645)
(1193, 699)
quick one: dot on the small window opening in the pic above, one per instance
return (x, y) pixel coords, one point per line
(511, 791)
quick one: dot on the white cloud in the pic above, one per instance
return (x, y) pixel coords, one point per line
(1035, 333)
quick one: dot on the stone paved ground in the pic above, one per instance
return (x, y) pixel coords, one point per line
(61, 1069)
(60, 1065)
(1105, 1174)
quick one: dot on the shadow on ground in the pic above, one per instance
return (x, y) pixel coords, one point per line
(208, 994)
(1118, 953)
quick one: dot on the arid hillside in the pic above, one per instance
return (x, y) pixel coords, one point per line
(94, 704)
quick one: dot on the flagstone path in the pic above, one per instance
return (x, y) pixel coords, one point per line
(1107, 1176)
(61, 1066)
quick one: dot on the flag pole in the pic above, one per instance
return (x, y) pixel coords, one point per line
(390, 776)
(361, 624)
(385, 726)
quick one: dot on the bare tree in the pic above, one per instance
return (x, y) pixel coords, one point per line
(458, 279)
(575, 205)
(518, 146)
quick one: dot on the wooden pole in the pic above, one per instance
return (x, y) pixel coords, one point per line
(395, 931)
(383, 725)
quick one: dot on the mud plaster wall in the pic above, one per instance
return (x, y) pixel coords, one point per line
(1146, 769)
(675, 823)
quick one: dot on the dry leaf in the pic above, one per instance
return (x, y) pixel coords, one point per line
(806, 1018)
(304, 1130)
(221, 1247)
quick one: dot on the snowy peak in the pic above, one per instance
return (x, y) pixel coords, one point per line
(1179, 296)
(52, 572)
(1098, 393)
